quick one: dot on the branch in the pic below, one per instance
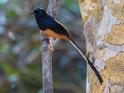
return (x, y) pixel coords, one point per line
(46, 53)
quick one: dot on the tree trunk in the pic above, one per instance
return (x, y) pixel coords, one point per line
(104, 34)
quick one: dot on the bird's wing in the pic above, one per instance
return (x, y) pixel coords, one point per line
(55, 26)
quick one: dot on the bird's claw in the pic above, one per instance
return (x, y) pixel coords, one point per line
(49, 42)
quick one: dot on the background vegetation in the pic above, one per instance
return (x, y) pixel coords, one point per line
(20, 66)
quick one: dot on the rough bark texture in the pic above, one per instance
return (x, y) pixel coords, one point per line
(46, 53)
(104, 32)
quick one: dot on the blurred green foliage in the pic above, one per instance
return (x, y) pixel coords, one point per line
(68, 2)
(20, 65)
(10, 13)
(4, 48)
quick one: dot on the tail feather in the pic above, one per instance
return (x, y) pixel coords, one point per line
(88, 61)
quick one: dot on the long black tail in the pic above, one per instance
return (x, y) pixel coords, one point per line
(88, 61)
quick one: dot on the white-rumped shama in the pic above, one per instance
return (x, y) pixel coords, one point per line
(52, 28)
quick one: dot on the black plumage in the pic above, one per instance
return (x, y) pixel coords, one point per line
(45, 21)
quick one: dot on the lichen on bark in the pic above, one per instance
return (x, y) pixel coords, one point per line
(116, 36)
(114, 69)
(104, 32)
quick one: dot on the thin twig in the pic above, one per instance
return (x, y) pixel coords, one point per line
(46, 54)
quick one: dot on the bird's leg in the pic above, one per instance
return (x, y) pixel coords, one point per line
(45, 39)
(49, 42)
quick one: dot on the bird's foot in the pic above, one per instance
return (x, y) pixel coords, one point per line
(49, 42)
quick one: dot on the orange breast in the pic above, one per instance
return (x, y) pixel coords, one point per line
(51, 33)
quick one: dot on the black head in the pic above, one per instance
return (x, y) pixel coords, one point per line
(38, 11)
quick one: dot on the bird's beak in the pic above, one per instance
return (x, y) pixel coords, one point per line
(31, 12)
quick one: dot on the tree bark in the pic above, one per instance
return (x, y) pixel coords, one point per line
(46, 53)
(104, 34)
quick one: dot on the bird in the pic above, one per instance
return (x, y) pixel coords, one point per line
(50, 27)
